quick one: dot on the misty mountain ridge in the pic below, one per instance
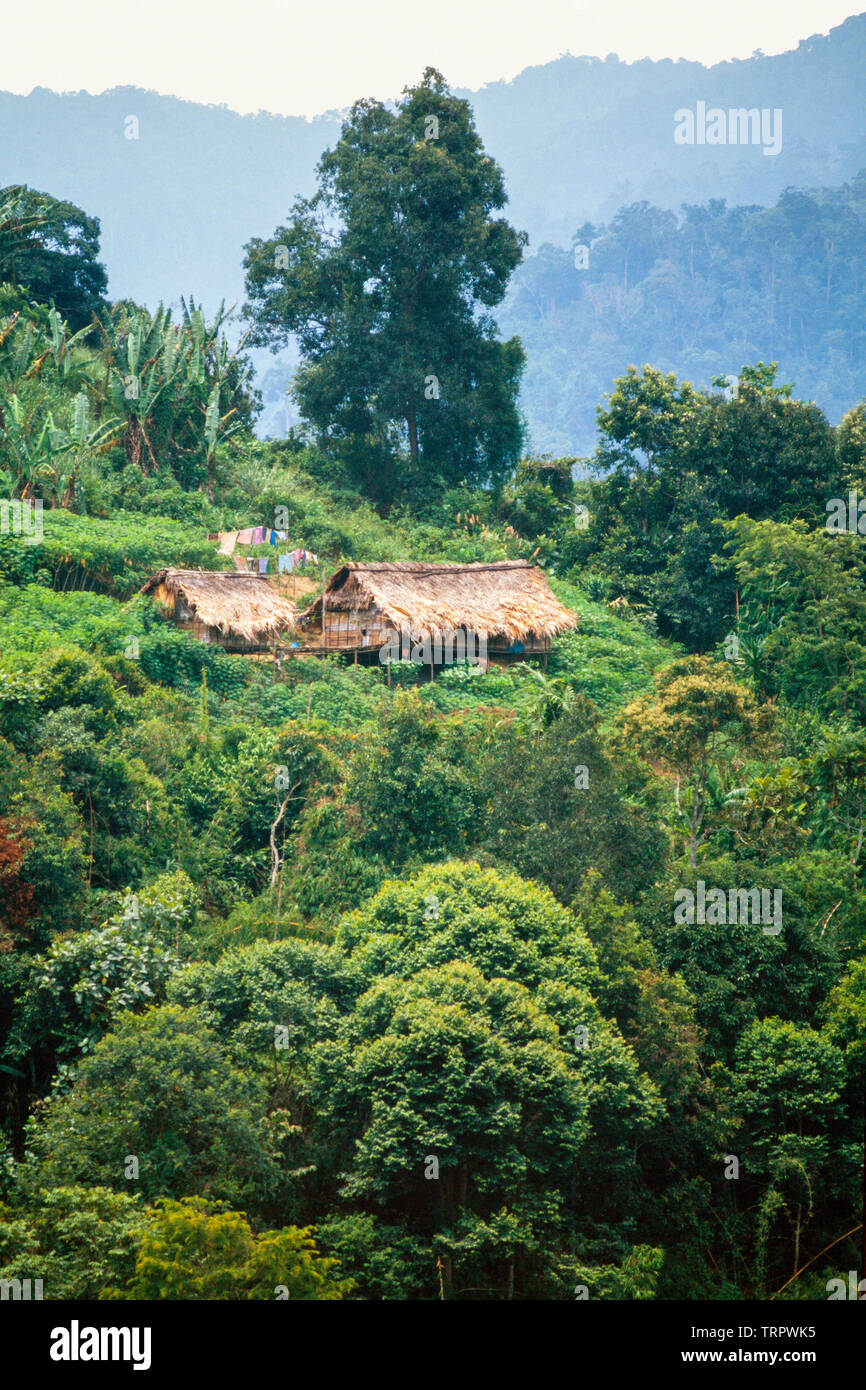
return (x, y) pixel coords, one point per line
(578, 138)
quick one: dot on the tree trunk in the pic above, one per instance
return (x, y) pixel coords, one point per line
(696, 819)
(276, 859)
(412, 422)
(279, 900)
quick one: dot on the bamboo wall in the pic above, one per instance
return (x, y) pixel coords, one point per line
(345, 630)
(187, 621)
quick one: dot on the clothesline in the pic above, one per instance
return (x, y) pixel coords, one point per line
(287, 562)
(252, 535)
(296, 560)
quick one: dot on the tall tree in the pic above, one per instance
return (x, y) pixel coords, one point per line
(385, 276)
(50, 249)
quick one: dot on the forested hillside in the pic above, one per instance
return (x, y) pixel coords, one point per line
(326, 980)
(697, 293)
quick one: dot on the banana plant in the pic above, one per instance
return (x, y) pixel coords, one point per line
(33, 337)
(552, 697)
(84, 439)
(47, 458)
(175, 387)
(143, 360)
(29, 446)
(73, 363)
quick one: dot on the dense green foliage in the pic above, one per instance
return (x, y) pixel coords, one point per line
(673, 464)
(322, 981)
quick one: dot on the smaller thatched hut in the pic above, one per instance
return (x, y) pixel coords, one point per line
(238, 610)
(506, 605)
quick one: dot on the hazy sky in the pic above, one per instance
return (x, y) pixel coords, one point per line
(300, 57)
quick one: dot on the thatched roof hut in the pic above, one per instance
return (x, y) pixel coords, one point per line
(239, 610)
(507, 605)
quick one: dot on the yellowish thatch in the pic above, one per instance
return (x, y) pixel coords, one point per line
(510, 598)
(232, 603)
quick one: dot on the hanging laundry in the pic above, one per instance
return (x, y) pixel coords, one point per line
(258, 535)
(245, 537)
(228, 541)
(272, 537)
(263, 564)
(285, 564)
(241, 564)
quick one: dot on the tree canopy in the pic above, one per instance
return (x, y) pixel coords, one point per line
(386, 277)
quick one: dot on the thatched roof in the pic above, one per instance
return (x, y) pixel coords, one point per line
(243, 604)
(509, 597)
